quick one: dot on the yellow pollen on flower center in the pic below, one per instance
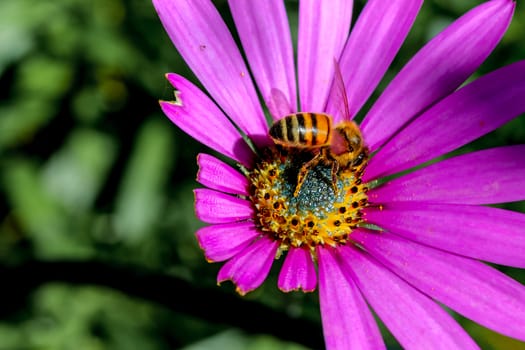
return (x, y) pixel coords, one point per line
(317, 215)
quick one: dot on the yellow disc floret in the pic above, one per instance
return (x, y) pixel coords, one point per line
(319, 214)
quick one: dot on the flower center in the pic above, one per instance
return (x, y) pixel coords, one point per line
(321, 212)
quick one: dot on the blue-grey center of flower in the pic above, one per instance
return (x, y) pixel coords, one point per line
(316, 195)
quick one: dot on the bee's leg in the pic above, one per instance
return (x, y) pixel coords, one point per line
(304, 171)
(359, 159)
(335, 170)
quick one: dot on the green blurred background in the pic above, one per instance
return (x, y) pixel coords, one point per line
(97, 247)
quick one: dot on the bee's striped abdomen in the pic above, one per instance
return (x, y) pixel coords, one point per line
(302, 130)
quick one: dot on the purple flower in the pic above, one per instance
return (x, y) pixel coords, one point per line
(394, 244)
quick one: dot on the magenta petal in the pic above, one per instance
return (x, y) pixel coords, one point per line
(463, 116)
(375, 39)
(490, 234)
(473, 289)
(347, 321)
(437, 69)
(223, 241)
(415, 320)
(249, 269)
(265, 35)
(203, 40)
(484, 177)
(298, 271)
(219, 176)
(216, 207)
(323, 29)
(193, 110)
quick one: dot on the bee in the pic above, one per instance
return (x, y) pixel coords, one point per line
(341, 147)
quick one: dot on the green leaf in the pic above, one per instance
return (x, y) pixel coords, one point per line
(141, 194)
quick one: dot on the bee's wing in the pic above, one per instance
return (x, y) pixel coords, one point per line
(338, 106)
(278, 104)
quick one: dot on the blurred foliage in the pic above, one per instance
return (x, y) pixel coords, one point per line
(91, 169)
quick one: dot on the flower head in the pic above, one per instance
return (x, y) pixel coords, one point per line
(303, 192)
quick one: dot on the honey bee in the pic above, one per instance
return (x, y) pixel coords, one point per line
(341, 147)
